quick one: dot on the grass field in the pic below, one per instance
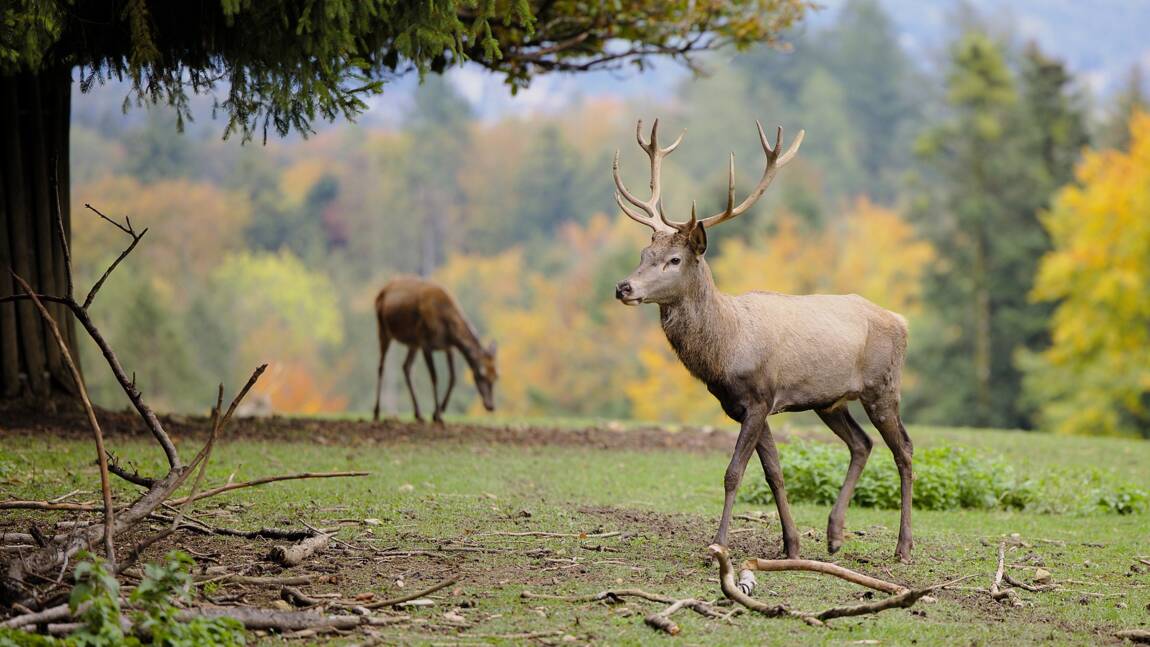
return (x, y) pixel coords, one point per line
(665, 503)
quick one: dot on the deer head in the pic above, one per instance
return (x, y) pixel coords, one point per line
(672, 265)
(485, 375)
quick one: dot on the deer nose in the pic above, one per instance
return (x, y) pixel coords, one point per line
(623, 290)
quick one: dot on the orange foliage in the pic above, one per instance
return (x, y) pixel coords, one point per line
(293, 388)
(871, 251)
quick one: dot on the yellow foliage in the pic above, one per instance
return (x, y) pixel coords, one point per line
(191, 225)
(1095, 377)
(871, 251)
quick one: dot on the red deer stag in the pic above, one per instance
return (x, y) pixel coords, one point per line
(763, 352)
(423, 316)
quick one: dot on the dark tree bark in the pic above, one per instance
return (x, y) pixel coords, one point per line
(35, 111)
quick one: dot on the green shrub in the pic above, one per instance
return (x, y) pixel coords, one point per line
(946, 478)
(1122, 499)
(153, 611)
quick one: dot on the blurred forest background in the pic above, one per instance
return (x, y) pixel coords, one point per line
(976, 184)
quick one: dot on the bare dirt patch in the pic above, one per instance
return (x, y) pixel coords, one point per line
(71, 424)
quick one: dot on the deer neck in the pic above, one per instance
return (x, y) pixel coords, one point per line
(699, 326)
(468, 343)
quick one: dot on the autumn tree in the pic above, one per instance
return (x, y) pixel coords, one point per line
(280, 65)
(1095, 376)
(990, 166)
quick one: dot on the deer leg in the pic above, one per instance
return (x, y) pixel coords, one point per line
(437, 415)
(753, 424)
(859, 444)
(450, 378)
(885, 416)
(769, 457)
(384, 343)
(407, 362)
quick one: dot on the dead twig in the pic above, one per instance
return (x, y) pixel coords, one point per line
(101, 455)
(776, 565)
(903, 597)
(535, 533)
(1039, 588)
(270, 479)
(296, 553)
(1134, 635)
(613, 596)
(997, 593)
(410, 596)
(48, 505)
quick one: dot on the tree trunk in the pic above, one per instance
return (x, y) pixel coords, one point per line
(982, 345)
(35, 110)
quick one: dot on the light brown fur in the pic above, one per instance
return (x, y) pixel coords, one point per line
(423, 316)
(763, 352)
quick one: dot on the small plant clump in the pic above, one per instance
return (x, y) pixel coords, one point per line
(96, 602)
(946, 478)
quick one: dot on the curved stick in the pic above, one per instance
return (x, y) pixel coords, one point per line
(733, 592)
(902, 599)
(775, 565)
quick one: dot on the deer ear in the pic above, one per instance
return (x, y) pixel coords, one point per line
(697, 239)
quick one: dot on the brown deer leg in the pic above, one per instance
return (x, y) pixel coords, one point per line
(754, 424)
(884, 414)
(769, 457)
(859, 444)
(384, 343)
(407, 362)
(450, 378)
(436, 415)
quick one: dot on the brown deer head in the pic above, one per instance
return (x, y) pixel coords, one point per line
(485, 375)
(672, 266)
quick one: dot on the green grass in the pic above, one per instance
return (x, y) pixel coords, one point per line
(427, 493)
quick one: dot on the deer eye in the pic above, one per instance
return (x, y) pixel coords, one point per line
(676, 260)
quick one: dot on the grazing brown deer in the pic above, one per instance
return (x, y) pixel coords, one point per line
(423, 316)
(763, 352)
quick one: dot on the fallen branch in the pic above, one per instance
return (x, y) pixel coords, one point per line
(410, 596)
(776, 565)
(51, 614)
(296, 553)
(17, 504)
(996, 592)
(733, 592)
(902, 599)
(662, 620)
(1039, 588)
(298, 598)
(536, 533)
(270, 479)
(235, 578)
(1134, 635)
(614, 596)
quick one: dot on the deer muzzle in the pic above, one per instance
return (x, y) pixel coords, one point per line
(624, 293)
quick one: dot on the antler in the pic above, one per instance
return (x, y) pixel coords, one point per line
(654, 217)
(775, 161)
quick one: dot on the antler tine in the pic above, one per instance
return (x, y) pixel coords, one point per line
(632, 214)
(775, 161)
(622, 188)
(652, 206)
